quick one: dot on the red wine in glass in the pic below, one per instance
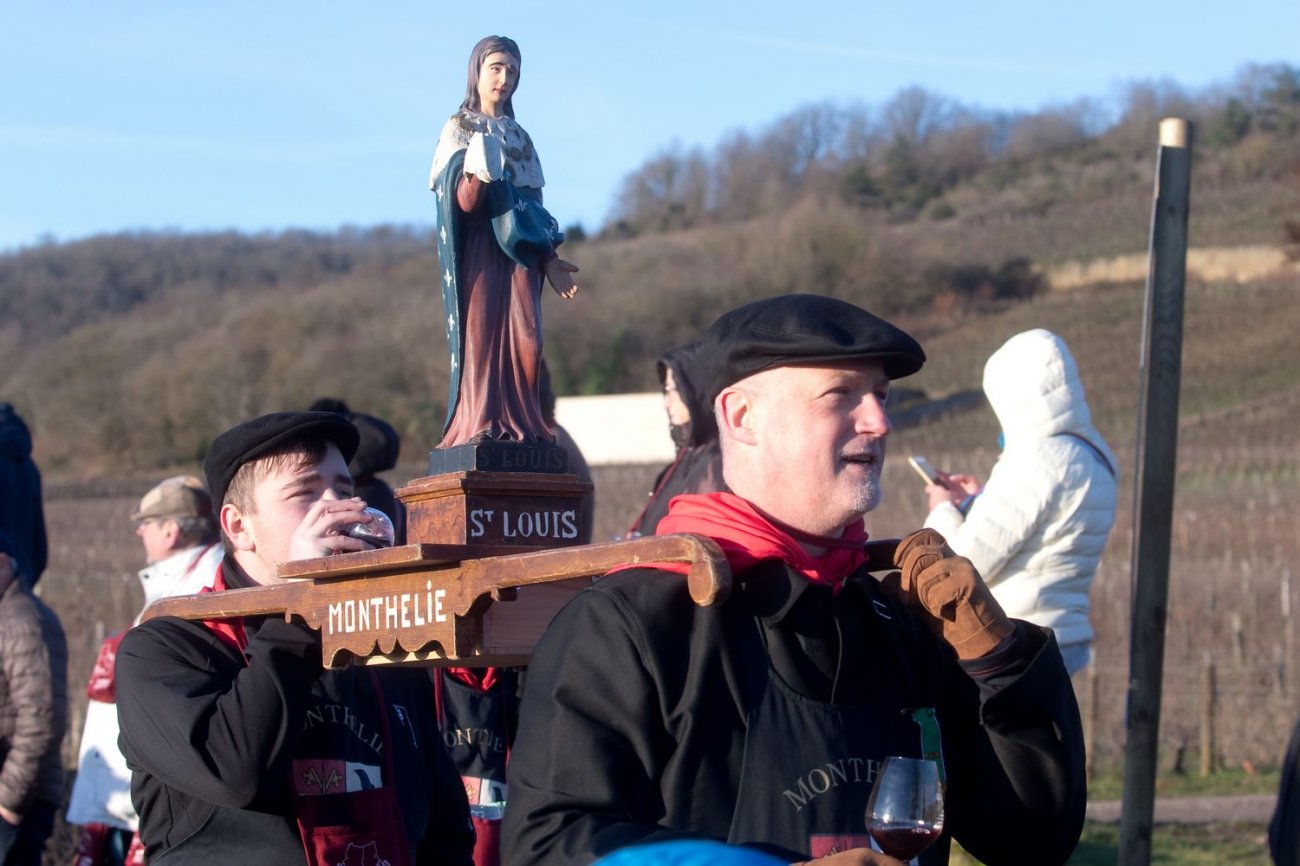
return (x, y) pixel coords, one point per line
(904, 841)
(905, 811)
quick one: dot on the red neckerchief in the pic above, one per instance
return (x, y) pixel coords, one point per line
(747, 536)
(476, 678)
(231, 631)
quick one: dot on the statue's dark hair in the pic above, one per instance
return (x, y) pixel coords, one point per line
(482, 49)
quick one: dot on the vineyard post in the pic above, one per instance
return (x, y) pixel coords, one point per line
(1208, 700)
(1090, 720)
(1157, 440)
(1288, 633)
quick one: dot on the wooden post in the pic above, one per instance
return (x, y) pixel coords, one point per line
(1288, 629)
(1090, 721)
(1157, 441)
(1208, 699)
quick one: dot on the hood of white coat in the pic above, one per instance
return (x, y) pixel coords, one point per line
(1033, 385)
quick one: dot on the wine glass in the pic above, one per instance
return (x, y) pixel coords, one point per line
(377, 533)
(905, 810)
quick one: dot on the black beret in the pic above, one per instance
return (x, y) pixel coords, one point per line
(260, 436)
(379, 445)
(804, 329)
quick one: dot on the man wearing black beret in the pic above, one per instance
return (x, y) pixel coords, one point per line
(763, 721)
(244, 750)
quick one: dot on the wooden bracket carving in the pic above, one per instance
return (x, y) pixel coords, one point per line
(435, 604)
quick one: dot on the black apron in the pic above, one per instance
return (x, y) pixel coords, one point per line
(809, 765)
(475, 727)
(347, 810)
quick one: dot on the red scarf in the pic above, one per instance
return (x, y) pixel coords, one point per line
(231, 630)
(476, 678)
(747, 536)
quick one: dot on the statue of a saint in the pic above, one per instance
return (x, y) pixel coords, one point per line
(495, 243)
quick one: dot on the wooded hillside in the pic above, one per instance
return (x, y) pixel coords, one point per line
(128, 352)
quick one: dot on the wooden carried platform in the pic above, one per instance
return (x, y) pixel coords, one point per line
(444, 604)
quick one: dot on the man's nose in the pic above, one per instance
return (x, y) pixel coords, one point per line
(872, 417)
(331, 493)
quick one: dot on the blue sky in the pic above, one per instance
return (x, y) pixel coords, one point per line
(272, 115)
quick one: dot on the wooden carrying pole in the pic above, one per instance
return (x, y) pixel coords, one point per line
(1157, 442)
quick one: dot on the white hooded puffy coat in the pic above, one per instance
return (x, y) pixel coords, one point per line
(1037, 531)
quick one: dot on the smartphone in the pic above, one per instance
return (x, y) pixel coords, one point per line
(924, 469)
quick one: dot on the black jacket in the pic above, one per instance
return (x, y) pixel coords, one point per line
(210, 739)
(633, 722)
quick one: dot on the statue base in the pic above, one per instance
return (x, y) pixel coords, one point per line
(500, 455)
(495, 510)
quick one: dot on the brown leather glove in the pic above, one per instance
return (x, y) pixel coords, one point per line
(946, 591)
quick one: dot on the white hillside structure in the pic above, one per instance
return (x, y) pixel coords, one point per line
(618, 428)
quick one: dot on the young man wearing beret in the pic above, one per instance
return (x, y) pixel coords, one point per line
(244, 750)
(764, 720)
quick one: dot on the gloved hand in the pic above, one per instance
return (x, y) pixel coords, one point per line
(853, 857)
(946, 591)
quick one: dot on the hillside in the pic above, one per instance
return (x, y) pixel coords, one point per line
(128, 352)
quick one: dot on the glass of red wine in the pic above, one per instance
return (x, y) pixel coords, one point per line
(905, 811)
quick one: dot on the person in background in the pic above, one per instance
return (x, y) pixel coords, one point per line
(378, 452)
(478, 715)
(182, 551)
(1037, 529)
(22, 513)
(244, 749)
(33, 715)
(763, 720)
(688, 401)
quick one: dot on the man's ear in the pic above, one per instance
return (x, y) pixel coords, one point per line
(171, 531)
(735, 415)
(235, 526)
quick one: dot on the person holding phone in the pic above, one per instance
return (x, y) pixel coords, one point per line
(1037, 529)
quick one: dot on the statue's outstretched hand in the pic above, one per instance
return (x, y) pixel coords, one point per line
(559, 274)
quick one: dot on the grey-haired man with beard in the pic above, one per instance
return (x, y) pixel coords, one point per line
(763, 721)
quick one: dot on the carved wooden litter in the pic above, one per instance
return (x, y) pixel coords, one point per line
(444, 604)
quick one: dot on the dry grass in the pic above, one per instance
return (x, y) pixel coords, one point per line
(1215, 265)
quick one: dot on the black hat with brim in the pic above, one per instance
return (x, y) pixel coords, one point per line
(804, 329)
(261, 436)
